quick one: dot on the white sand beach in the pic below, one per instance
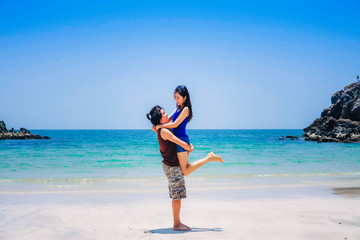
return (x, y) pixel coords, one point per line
(272, 212)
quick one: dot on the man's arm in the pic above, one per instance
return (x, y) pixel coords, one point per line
(166, 134)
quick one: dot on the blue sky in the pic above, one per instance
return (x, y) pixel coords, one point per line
(104, 64)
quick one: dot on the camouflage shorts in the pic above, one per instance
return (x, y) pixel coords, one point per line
(176, 179)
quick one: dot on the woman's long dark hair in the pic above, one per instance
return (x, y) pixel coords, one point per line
(182, 90)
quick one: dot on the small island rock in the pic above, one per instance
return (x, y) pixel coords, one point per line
(341, 121)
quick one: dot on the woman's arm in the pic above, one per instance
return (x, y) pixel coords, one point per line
(170, 117)
(184, 113)
(154, 129)
(166, 134)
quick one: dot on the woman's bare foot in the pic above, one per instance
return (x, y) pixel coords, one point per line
(213, 157)
(181, 227)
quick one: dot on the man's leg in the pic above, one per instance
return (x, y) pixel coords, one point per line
(176, 206)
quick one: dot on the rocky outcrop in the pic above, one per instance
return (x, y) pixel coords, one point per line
(22, 134)
(2, 127)
(341, 121)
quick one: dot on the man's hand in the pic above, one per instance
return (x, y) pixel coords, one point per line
(158, 126)
(191, 148)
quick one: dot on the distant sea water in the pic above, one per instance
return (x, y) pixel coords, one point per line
(113, 154)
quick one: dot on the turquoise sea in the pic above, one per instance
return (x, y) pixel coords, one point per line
(116, 154)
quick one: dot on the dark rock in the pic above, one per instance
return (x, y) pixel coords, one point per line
(355, 111)
(2, 126)
(24, 130)
(325, 112)
(336, 110)
(289, 136)
(36, 136)
(336, 96)
(341, 121)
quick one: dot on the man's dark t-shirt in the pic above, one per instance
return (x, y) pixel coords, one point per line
(168, 151)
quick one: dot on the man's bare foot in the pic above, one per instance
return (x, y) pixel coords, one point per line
(181, 227)
(213, 157)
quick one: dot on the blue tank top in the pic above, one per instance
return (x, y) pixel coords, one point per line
(180, 131)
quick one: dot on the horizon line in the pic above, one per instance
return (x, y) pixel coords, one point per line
(150, 129)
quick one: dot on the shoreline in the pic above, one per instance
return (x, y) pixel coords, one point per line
(198, 188)
(197, 181)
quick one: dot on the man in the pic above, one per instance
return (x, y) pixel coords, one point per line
(173, 169)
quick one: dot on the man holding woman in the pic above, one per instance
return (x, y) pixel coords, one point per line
(175, 168)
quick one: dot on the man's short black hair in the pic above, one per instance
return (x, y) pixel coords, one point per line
(155, 115)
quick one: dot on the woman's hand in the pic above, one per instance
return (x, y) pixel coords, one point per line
(191, 148)
(158, 126)
(154, 129)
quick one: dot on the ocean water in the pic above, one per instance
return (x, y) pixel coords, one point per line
(116, 154)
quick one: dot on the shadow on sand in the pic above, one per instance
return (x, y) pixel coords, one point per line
(171, 231)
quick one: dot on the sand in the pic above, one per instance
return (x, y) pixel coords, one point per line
(267, 212)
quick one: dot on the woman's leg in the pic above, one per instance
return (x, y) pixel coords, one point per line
(188, 168)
